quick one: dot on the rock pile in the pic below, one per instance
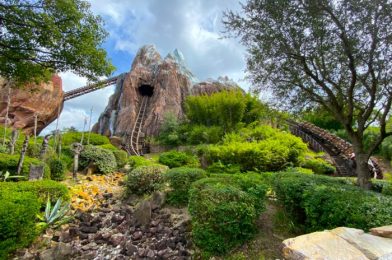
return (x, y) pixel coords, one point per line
(122, 231)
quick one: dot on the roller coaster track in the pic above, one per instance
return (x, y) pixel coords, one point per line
(92, 87)
(133, 144)
(322, 140)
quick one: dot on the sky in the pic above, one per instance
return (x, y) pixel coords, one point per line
(192, 26)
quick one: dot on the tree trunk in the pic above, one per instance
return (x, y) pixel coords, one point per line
(75, 166)
(363, 172)
(14, 138)
(44, 147)
(22, 154)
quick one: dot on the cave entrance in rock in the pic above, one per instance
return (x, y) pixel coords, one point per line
(146, 90)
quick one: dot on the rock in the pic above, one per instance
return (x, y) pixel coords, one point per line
(385, 231)
(373, 247)
(167, 79)
(117, 239)
(320, 245)
(130, 249)
(137, 235)
(158, 199)
(43, 99)
(142, 213)
(60, 251)
(211, 86)
(86, 229)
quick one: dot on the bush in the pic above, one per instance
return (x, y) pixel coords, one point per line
(121, 157)
(10, 163)
(200, 134)
(180, 180)
(175, 159)
(321, 202)
(18, 212)
(102, 158)
(319, 166)
(58, 169)
(75, 137)
(135, 161)
(224, 210)
(219, 167)
(40, 189)
(145, 179)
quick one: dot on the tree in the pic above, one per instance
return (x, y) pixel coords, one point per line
(334, 53)
(41, 37)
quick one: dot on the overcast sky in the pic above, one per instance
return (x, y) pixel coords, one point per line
(192, 26)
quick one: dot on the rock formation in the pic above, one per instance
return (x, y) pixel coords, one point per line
(42, 99)
(167, 81)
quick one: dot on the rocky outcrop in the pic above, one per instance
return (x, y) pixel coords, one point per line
(42, 99)
(339, 243)
(167, 80)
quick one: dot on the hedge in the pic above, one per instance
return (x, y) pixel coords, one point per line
(175, 159)
(180, 180)
(145, 179)
(102, 158)
(321, 202)
(10, 163)
(224, 210)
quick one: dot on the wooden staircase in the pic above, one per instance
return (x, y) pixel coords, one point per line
(134, 143)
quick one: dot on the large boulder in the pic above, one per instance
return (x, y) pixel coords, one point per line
(167, 80)
(44, 100)
(339, 243)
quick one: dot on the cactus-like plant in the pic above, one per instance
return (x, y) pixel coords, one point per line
(54, 216)
(5, 176)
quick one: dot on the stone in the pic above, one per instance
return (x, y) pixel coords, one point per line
(60, 251)
(158, 199)
(44, 99)
(373, 247)
(137, 235)
(130, 249)
(86, 229)
(142, 213)
(320, 245)
(117, 239)
(385, 231)
(168, 80)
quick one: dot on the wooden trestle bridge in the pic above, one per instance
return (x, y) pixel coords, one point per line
(321, 140)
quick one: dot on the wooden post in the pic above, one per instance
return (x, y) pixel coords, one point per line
(84, 128)
(35, 128)
(7, 112)
(89, 126)
(14, 138)
(77, 149)
(44, 147)
(22, 154)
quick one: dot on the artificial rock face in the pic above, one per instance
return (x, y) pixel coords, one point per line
(167, 81)
(43, 100)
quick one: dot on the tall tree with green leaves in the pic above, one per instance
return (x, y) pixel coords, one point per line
(41, 37)
(334, 53)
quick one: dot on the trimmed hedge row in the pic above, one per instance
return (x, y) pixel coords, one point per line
(180, 180)
(20, 202)
(224, 210)
(321, 202)
(145, 179)
(10, 163)
(175, 159)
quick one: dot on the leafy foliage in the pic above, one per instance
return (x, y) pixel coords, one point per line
(175, 159)
(76, 137)
(10, 163)
(260, 149)
(54, 216)
(135, 161)
(102, 158)
(180, 180)
(319, 166)
(58, 169)
(42, 37)
(224, 211)
(18, 210)
(145, 179)
(321, 202)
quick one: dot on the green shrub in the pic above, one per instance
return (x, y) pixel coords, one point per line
(224, 210)
(40, 189)
(3, 149)
(135, 161)
(10, 163)
(75, 137)
(18, 212)
(121, 157)
(180, 180)
(58, 169)
(200, 134)
(319, 166)
(145, 179)
(219, 167)
(321, 202)
(175, 159)
(102, 158)
(33, 150)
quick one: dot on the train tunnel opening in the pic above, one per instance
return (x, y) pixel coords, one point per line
(146, 90)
